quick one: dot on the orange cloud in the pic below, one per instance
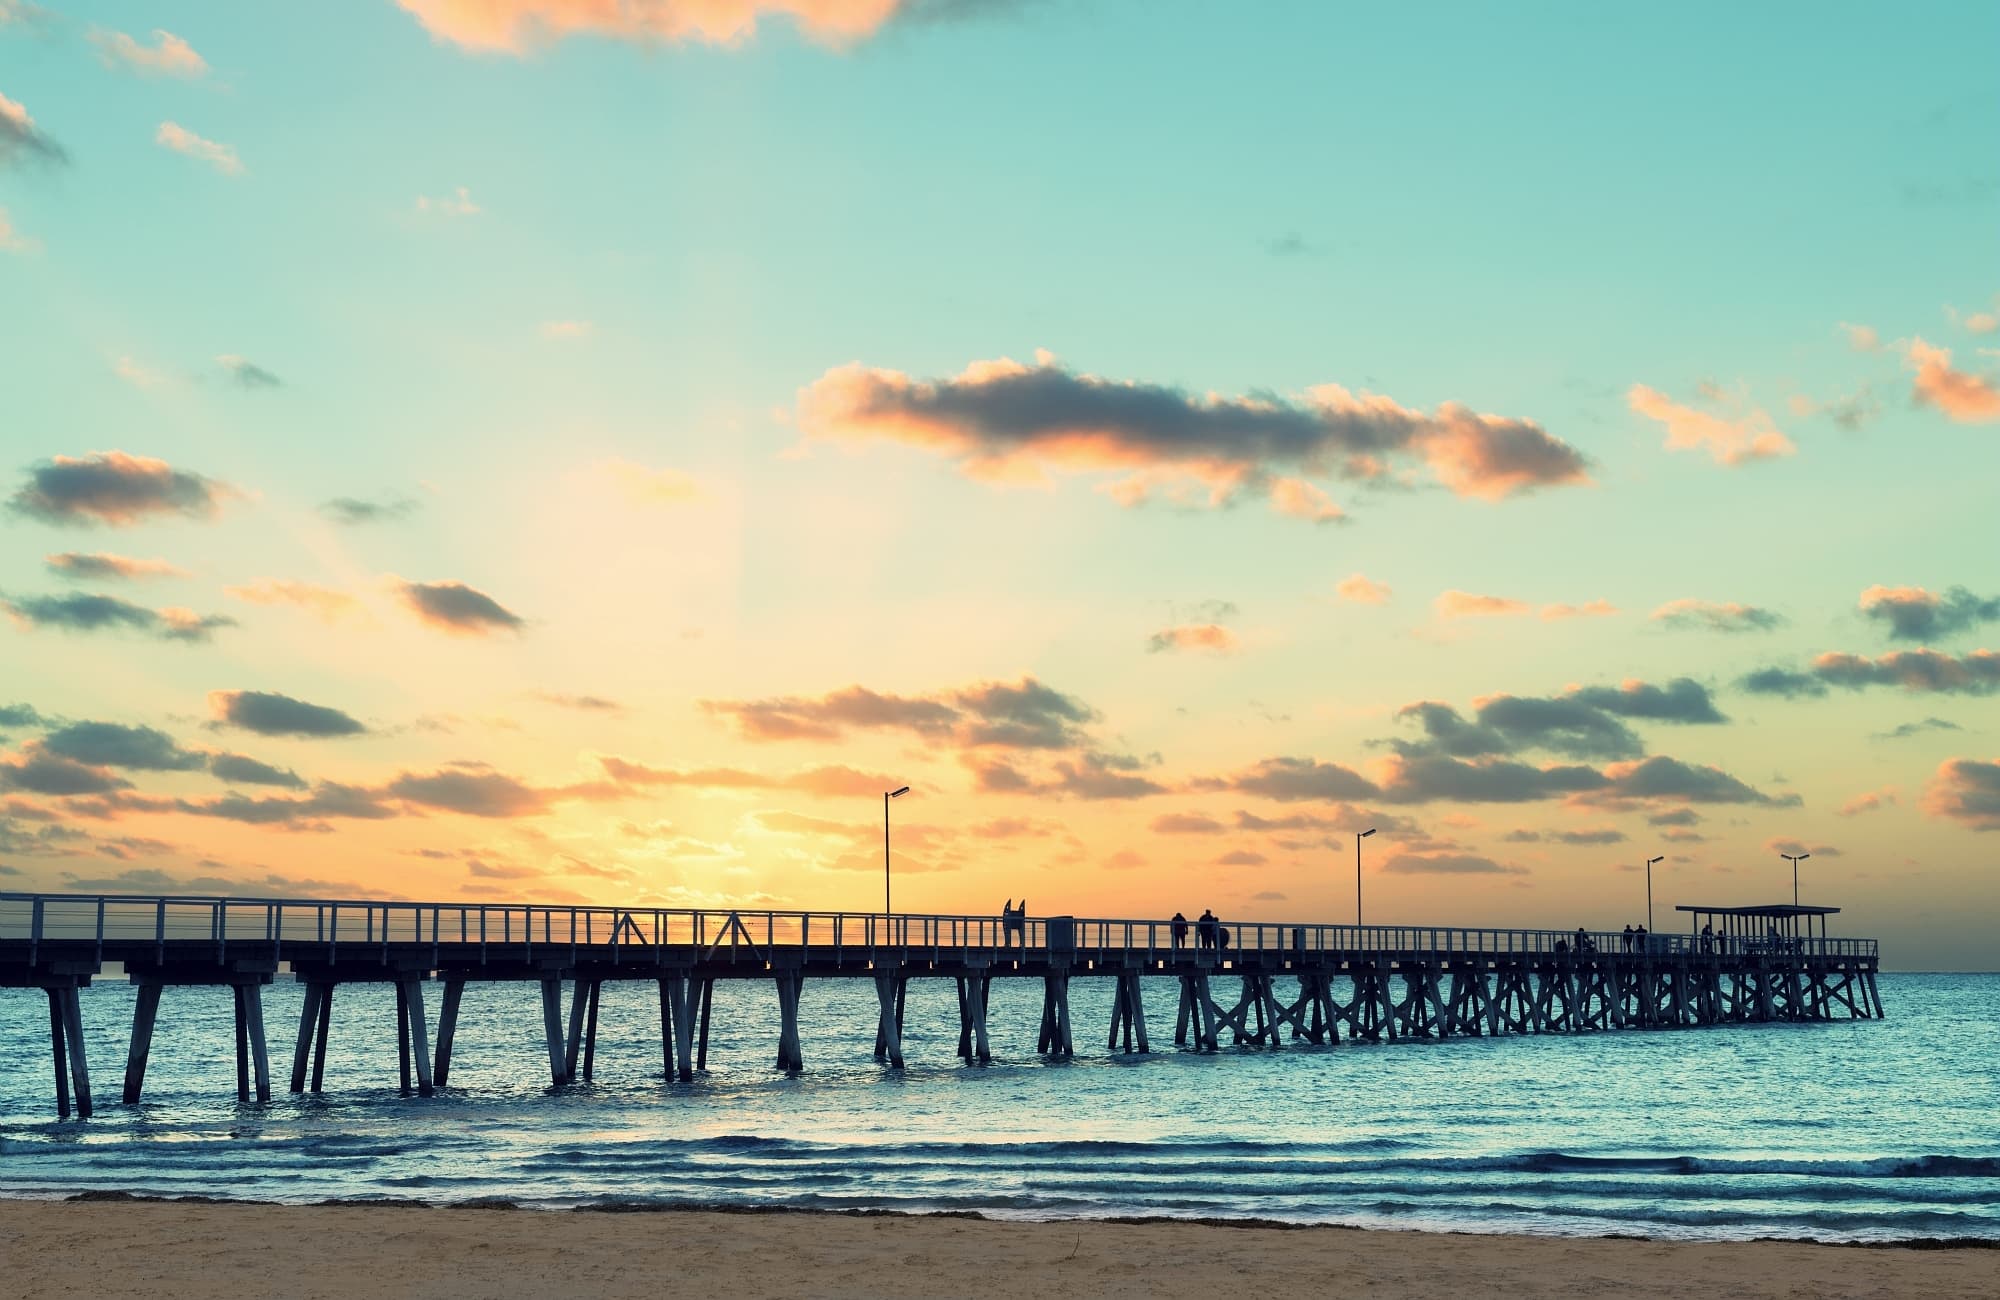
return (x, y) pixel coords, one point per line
(1212, 637)
(1961, 395)
(1302, 500)
(1729, 442)
(168, 54)
(178, 138)
(324, 603)
(1464, 604)
(1362, 590)
(1870, 801)
(515, 26)
(1589, 609)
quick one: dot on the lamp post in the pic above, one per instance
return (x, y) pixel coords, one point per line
(1795, 859)
(887, 795)
(1649, 890)
(1357, 878)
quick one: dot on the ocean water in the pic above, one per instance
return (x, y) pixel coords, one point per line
(1849, 1131)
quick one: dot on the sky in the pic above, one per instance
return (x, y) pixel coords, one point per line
(590, 450)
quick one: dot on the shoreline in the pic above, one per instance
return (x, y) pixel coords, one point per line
(501, 1204)
(116, 1244)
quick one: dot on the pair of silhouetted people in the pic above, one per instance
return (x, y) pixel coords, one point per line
(1209, 932)
(1013, 922)
(1635, 938)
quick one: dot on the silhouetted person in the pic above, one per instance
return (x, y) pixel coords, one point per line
(1707, 938)
(1562, 947)
(1628, 938)
(1205, 928)
(1582, 941)
(1221, 939)
(1639, 938)
(1775, 941)
(1180, 931)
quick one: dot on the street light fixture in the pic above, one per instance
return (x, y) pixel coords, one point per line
(1795, 859)
(887, 795)
(1357, 875)
(1649, 890)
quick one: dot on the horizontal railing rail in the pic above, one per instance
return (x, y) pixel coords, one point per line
(296, 927)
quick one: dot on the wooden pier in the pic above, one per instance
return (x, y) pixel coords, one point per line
(1255, 984)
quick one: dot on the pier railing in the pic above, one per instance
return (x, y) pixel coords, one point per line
(303, 928)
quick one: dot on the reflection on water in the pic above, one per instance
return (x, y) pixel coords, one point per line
(1867, 1130)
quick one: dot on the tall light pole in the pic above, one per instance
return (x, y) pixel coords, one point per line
(1649, 890)
(1357, 876)
(1795, 859)
(887, 795)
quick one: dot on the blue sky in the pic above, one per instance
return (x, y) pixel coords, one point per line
(504, 286)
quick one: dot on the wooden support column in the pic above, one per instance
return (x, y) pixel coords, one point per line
(454, 990)
(552, 1029)
(707, 987)
(579, 1007)
(982, 993)
(302, 1049)
(320, 1035)
(260, 1056)
(889, 1029)
(590, 1031)
(1186, 1006)
(144, 1013)
(413, 1004)
(677, 1013)
(790, 1057)
(58, 1032)
(1136, 1010)
(237, 995)
(403, 1033)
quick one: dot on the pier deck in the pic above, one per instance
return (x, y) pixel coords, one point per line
(1377, 982)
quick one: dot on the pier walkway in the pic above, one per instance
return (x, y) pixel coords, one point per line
(1376, 983)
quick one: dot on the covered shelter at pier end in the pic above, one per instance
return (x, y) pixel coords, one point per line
(1765, 927)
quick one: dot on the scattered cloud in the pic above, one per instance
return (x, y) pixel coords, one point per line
(268, 713)
(1861, 338)
(168, 55)
(90, 612)
(21, 140)
(1004, 715)
(1967, 791)
(1850, 411)
(1589, 609)
(35, 770)
(325, 603)
(829, 781)
(1799, 848)
(1914, 614)
(112, 487)
(1870, 801)
(1464, 604)
(222, 157)
(566, 329)
(1186, 824)
(1730, 441)
(354, 511)
(456, 204)
(247, 374)
(1296, 780)
(1447, 864)
(580, 703)
(1713, 616)
(1302, 500)
(461, 610)
(1211, 637)
(1975, 673)
(519, 26)
(243, 770)
(1960, 395)
(12, 240)
(100, 566)
(1362, 590)
(112, 744)
(1002, 421)
(1905, 730)
(1433, 777)
(1241, 858)
(137, 375)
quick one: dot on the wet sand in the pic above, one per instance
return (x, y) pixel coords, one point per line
(379, 1252)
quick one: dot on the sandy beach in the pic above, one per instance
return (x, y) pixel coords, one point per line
(358, 1252)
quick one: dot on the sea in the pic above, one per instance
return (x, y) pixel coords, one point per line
(1853, 1131)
